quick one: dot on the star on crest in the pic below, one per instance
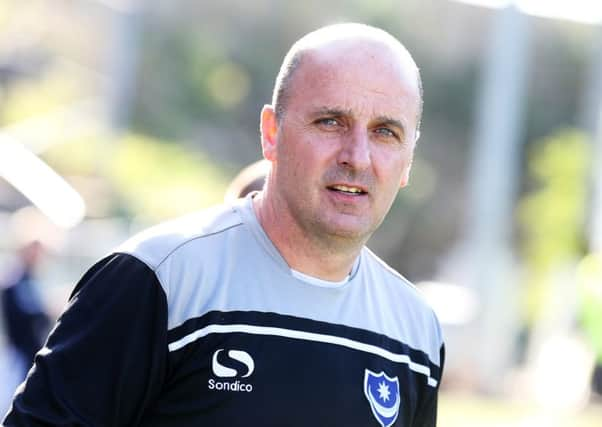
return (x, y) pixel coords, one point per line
(383, 391)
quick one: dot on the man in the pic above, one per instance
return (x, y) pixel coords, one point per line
(25, 319)
(268, 312)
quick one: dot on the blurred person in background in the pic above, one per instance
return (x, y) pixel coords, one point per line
(24, 316)
(268, 310)
(250, 178)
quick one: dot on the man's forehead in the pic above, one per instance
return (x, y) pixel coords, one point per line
(367, 44)
(347, 57)
(363, 73)
(356, 47)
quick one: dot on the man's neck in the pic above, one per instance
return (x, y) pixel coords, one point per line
(324, 259)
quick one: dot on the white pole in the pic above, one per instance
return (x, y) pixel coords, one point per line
(494, 176)
(123, 61)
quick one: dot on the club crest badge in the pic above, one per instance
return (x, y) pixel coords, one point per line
(382, 393)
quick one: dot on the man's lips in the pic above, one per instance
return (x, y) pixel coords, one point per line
(350, 189)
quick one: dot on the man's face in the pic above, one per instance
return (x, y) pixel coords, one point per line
(345, 143)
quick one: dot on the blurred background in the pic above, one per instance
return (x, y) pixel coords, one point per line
(117, 114)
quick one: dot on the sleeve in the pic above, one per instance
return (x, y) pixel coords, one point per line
(427, 412)
(106, 358)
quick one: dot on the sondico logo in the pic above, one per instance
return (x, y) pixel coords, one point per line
(222, 371)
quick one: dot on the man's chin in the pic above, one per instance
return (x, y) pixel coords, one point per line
(347, 230)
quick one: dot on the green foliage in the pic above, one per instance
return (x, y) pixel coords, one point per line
(152, 179)
(29, 98)
(195, 79)
(82, 156)
(552, 216)
(161, 180)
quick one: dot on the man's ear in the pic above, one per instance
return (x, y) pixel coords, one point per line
(269, 130)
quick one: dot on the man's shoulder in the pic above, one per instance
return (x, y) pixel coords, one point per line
(389, 274)
(398, 288)
(155, 244)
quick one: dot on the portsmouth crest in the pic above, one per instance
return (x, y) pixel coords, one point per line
(382, 393)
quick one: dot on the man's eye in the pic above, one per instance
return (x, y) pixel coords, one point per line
(328, 121)
(386, 132)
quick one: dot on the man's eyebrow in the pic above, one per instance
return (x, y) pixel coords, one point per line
(331, 111)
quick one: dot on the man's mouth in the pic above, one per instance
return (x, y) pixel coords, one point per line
(347, 189)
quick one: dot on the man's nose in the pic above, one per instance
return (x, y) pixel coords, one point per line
(355, 150)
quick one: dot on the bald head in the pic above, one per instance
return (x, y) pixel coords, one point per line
(331, 41)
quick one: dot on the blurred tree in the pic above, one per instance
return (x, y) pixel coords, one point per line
(61, 84)
(552, 216)
(150, 179)
(160, 180)
(559, 72)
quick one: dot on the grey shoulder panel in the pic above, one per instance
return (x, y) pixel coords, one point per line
(154, 245)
